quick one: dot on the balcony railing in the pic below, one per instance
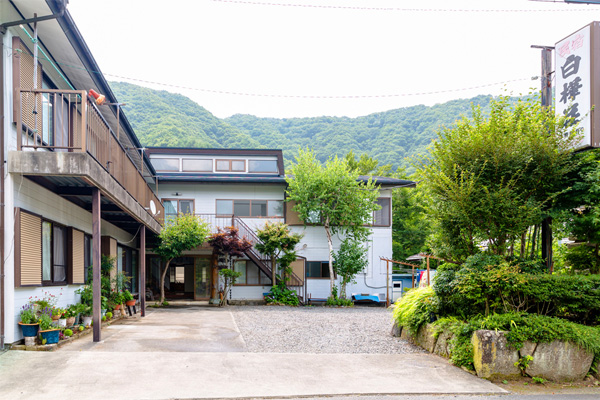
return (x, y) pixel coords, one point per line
(66, 120)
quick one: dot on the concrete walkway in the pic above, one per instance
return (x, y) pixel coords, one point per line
(199, 353)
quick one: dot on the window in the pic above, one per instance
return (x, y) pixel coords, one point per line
(251, 275)
(231, 165)
(54, 253)
(195, 165)
(127, 262)
(267, 166)
(250, 208)
(165, 164)
(382, 217)
(173, 207)
(317, 269)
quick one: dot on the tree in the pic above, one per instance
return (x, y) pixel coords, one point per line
(229, 277)
(183, 233)
(280, 245)
(411, 225)
(332, 196)
(489, 178)
(350, 259)
(228, 244)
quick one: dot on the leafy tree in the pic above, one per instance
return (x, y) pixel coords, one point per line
(490, 178)
(332, 196)
(366, 165)
(183, 233)
(350, 259)
(227, 243)
(280, 245)
(411, 225)
(228, 276)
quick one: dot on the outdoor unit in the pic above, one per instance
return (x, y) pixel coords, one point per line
(397, 287)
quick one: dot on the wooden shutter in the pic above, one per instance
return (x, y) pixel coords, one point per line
(28, 250)
(23, 79)
(291, 216)
(76, 267)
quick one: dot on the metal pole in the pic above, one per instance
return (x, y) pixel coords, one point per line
(387, 283)
(96, 263)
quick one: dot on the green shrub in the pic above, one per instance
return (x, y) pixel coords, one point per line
(415, 308)
(68, 332)
(280, 294)
(338, 302)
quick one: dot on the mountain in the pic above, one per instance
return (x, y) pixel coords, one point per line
(161, 118)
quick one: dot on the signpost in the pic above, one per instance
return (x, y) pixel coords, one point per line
(577, 69)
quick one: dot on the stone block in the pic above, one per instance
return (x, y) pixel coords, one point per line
(493, 357)
(443, 347)
(560, 362)
(396, 330)
(425, 337)
(527, 349)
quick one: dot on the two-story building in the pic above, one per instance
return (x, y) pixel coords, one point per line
(245, 188)
(74, 181)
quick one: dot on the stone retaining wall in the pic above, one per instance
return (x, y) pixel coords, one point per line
(494, 358)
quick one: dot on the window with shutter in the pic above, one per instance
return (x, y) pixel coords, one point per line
(28, 251)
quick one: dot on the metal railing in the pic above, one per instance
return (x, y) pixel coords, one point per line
(66, 120)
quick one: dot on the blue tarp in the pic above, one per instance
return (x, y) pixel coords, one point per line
(371, 297)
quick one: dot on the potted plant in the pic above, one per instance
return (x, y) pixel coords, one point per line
(48, 331)
(86, 313)
(70, 314)
(29, 324)
(128, 298)
(57, 313)
(116, 299)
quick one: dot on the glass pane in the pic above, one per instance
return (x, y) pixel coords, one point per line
(60, 256)
(382, 217)
(313, 269)
(240, 266)
(190, 164)
(165, 164)
(238, 166)
(224, 207)
(259, 208)
(202, 273)
(324, 270)
(314, 217)
(46, 251)
(241, 208)
(262, 166)
(264, 279)
(252, 274)
(179, 274)
(222, 165)
(186, 206)
(275, 208)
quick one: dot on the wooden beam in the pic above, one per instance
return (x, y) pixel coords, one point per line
(142, 264)
(96, 235)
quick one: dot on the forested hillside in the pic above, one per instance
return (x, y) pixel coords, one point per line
(161, 118)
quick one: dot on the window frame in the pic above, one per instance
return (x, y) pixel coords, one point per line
(53, 282)
(178, 205)
(230, 160)
(261, 275)
(389, 213)
(282, 216)
(324, 264)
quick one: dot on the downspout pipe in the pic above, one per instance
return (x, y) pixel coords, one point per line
(2, 169)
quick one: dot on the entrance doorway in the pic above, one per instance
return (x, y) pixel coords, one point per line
(187, 278)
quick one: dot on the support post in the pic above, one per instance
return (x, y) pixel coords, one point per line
(428, 283)
(96, 263)
(387, 283)
(142, 263)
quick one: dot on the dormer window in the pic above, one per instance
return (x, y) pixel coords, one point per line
(231, 165)
(263, 166)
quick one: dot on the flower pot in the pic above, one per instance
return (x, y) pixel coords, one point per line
(55, 317)
(29, 329)
(77, 319)
(130, 303)
(118, 307)
(87, 321)
(62, 323)
(70, 321)
(51, 335)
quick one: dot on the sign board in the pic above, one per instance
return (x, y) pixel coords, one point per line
(577, 91)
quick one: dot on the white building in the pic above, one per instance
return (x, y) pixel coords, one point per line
(246, 188)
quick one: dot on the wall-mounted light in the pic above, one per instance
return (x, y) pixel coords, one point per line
(176, 194)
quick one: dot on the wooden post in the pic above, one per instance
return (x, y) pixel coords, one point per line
(142, 264)
(413, 277)
(387, 283)
(96, 263)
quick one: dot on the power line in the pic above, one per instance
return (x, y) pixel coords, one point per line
(359, 8)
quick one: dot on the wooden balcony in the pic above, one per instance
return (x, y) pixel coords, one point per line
(66, 121)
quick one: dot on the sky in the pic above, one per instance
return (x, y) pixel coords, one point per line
(304, 58)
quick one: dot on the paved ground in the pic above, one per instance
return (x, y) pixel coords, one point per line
(200, 353)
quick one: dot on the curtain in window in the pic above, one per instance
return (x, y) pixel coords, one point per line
(60, 256)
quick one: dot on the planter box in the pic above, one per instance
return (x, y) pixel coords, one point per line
(51, 335)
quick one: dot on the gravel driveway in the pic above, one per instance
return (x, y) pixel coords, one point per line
(277, 329)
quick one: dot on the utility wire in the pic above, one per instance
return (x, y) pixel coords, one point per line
(358, 8)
